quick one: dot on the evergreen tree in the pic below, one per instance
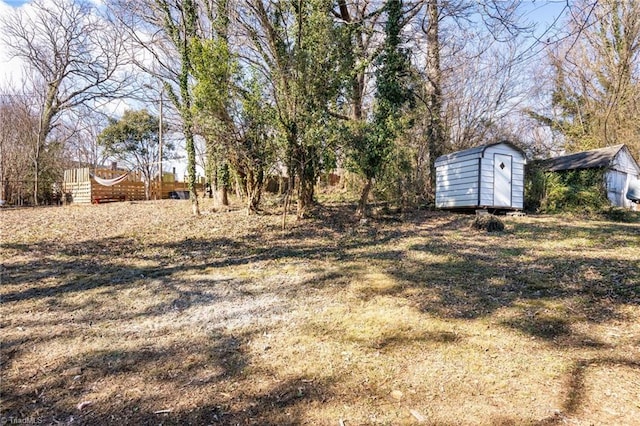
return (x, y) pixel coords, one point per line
(299, 44)
(373, 142)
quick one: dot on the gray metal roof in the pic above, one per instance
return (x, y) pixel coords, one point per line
(477, 151)
(594, 159)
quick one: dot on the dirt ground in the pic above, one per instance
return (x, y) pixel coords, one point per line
(139, 313)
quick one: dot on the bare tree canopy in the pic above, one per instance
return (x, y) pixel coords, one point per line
(301, 77)
(161, 34)
(595, 73)
(72, 56)
(67, 46)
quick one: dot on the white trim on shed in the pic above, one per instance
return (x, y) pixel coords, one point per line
(487, 176)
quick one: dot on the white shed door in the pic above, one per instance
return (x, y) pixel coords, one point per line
(617, 186)
(501, 180)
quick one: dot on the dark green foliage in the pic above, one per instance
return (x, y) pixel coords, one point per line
(180, 23)
(373, 142)
(215, 69)
(534, 187)
(395, 182)
(135, 134)
(234, 117)
(574, 191)
(134, 139)
(224, 175)
(392, 69)
(618, 214)
(301, 45)
(579, 191)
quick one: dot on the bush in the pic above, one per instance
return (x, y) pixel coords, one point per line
(578, 191)
(534, 188)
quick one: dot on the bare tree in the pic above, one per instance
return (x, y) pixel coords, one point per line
(483, 92)
(596, 95)
(466, 58)
(16, 124)
(73, 56)
(85, 124)
(161, 34)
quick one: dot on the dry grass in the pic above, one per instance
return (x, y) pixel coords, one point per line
(141, 314)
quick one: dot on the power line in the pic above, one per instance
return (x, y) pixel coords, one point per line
(20, 95)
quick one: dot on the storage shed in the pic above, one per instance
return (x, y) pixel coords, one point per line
(488, 176)
(621, 171)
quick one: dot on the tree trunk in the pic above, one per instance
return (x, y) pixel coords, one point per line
(189, 18)
(43, 130)
(362, 210)
(254, 191)
(435, 131)
(187, 129)
(306, 183)
(191, 169)
(223, 196)
(288, 192)
(36, 171)
(223, 181)
(356, 49)
(305, 198)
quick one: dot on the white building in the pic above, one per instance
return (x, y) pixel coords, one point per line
(621, 170)
(488, 176)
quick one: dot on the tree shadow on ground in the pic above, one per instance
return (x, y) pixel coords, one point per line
(472, 282)
(135, 387)
(282, 404)
(465, 280)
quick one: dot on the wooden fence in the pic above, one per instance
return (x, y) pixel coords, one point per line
(80, 187)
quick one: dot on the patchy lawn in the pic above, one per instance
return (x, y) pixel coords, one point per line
(138, 313)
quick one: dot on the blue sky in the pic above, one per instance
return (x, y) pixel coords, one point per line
(544, 13)
(14, 3)
(540, 9)
(541, 12)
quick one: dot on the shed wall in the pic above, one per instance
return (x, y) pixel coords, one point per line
(466, 179)
(623, 162)
(623, 170)
(617, 186)
(457, 183)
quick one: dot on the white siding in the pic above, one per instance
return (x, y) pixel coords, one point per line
(623, 162)
(617, 186)
(457, 183)
(623, 170)
(460, 182)
(459, 166)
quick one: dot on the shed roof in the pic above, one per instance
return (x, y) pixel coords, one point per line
(594, 159)
(477, 151)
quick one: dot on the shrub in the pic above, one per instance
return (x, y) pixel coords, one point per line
(579, 191)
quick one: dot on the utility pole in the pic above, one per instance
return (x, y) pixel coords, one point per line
(160, 142)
